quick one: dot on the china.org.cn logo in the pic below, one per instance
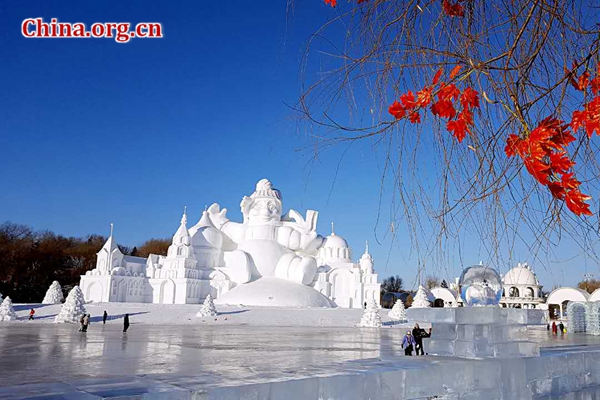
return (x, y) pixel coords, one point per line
(120, 31)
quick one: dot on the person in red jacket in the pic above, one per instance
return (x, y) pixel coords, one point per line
(554, 329)
(31, 312)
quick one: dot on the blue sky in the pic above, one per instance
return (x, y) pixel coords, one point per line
(94, 132)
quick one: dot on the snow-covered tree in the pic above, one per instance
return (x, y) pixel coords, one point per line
(371, 317)
(421, 300)
(73, 308)
(54, 294)
(208, 308)
(398, 312)
(7, 312)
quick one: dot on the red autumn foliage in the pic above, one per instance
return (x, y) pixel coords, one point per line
(453, 9)
(332, 3)
(455, 71)
(459, 128)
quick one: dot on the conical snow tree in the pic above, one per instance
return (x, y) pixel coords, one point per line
(7, 312)
(73, 308)
(421, 300)
(398, 312)
(54, 294)
(208, 308)
(371, 317)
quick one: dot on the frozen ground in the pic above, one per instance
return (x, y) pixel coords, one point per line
(42, 360)
(185, 314)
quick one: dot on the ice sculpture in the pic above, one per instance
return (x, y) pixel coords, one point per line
(480, 286)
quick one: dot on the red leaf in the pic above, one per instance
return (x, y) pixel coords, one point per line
(466, 116)
(513, 143)
(557, 190)
(453, 10)
(539, 170)
(397, 110)
(562, 139)
(575, 201)
(408, 100)
(455, 71)
(560, 162)
(458, 128)
(424, 97)
(568, 182)
(579, 119)
(448, 92)
(415, 117)
(437, 76)
(332, 3)
(595, 85)
(443, 108)
(469, 98)
(584, 81)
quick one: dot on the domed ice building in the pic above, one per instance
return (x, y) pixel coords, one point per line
(271, 259)
(521, 288)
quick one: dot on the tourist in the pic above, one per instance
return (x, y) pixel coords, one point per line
(126, 323)
(408, 343)
(86, 322)
(81, 323)
(365, 305)
(31, 314)
(418, 335)
(104, 316)
(561, 326)
(554, 327)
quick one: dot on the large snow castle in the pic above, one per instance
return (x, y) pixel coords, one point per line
(269, 259)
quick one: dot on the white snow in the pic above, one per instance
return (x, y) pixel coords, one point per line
(421, 299)
(371, 317)
(398, 312)
(274, 292)
(54, 294)
(208, 308)
(7, 312)
(73, 308)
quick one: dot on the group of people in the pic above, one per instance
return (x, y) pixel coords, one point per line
(555, 328)
(414, 341)
(85, 321)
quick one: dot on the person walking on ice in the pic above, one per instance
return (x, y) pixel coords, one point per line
(31, 313)
(408, 343)
(126, 323)
(104, 316)
(86, 322)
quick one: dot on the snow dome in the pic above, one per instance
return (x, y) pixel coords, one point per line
(335, 248)
(204, 234)
(480, 286)
(520, 275)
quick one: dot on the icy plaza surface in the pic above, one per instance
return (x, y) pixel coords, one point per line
(242, 362)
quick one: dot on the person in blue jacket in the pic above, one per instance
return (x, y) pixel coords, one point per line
(408, 344)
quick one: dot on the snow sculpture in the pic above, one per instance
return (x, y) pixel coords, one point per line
(480, 286)
(73, 308)
(371, 317)
(7, 312)
(577, 313)
(398, 312)
(54, 294)
(208, 308)
(421, 299)
(269, 240)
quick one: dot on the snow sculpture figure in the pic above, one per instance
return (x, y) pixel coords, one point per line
(398, 312)
(480, 286)
(73, 308)
(208, 308)
(7, 312)
(268, 241)
(54, 294)
(371, 317)
(421, 300)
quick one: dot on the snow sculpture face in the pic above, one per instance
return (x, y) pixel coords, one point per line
(264, 206)
(480, 286)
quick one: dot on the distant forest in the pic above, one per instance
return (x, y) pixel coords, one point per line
(30, 260)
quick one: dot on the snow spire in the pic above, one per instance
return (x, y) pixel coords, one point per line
(420, 300)
(73, 308)
(371, 317)
(366, 247)
(7, 312)
(398, 312)
(332, 230)
(54, 294)
(208, 308)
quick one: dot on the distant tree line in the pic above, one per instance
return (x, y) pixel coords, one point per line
(30, 260)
